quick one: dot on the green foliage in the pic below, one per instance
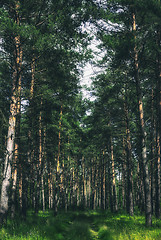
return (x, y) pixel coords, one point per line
(104, 233)
(88, 225)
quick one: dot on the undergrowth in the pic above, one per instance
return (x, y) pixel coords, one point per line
(80, 225)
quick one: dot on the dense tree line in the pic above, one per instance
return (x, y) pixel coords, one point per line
(129, 94)
(58, 150)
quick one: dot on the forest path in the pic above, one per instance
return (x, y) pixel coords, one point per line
(81, 225)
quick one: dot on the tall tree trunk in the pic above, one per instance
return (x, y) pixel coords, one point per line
(114, 194)
(92, 180)
(157, 179)
(62, 184)
(15, 101)
(146, 178)
(16, 160)
(110, 184)
(124, 172)
(129, 202)
(74, 187)
(95, 184)
(102, 181)
(84, 184)
(89, 187)
(39, 164)
(58, 169)
(43, 169)
(20, 188)
(50, 185)
(31, 151)
(41, 180)
(152, 154)
(158, 140)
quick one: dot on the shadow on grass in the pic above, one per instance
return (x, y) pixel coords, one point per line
(66, 226)
(86, 225)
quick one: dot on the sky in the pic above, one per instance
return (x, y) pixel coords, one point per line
(91, 71)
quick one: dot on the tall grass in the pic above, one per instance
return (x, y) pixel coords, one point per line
(86, 225)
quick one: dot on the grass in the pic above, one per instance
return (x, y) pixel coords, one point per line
(85, 225)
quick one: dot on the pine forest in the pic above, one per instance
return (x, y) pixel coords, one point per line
(80, 155)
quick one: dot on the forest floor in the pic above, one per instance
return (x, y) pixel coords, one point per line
(81, 225)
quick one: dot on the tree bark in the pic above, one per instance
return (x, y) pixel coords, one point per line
(58, 168)
(102, 177)
(114, 194)
(124, 172)
(84, 184)
(16, 160)
(157, 179)
(146, 178)
(129, 201)
(15, 101)
(50, 185)
(152, 154)
(158, 134)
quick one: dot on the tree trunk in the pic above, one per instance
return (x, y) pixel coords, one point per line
(124, 172)
(89, 187)
(15, 101)
(157, 179)
(20, 187)
(129, 201)
(84, 184)
(158, 135)
(146, 178)
(50, 186)
(114, 194)
(93, 187)
(43, 169)
(152, 154)
(110, 185)
(102, 183)
(16, 160)
(58, 169)
(39, 164)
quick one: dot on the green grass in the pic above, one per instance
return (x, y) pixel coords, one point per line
(85, 225)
